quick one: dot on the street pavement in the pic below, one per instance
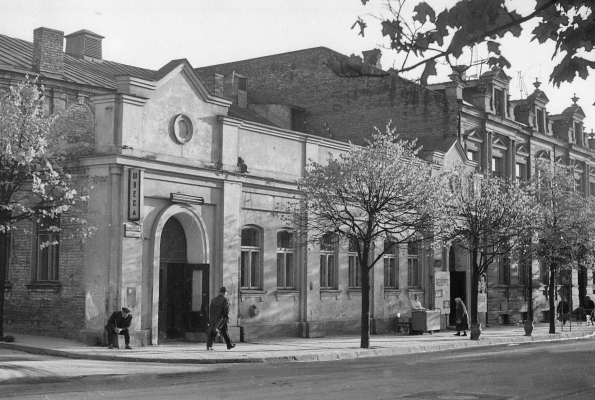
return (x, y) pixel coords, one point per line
(295, 349)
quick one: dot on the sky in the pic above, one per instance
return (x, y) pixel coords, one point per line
(150, 33)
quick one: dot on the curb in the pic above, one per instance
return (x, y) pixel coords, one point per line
(325, 356)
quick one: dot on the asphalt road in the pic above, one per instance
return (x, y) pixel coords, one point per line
(554, 370)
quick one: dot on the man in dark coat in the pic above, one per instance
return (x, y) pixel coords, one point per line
(462, 318)
(118, 324)
(218, 316)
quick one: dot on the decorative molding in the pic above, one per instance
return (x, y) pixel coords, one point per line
(329, 294)
(287, 293)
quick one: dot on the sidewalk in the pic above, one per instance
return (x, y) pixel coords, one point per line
(293, 349)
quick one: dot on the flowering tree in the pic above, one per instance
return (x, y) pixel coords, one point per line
(381, 191)
(487, 216)
(38, 169)
(566, 230)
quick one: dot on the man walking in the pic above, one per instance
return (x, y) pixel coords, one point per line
(219, 314)
(118, 324)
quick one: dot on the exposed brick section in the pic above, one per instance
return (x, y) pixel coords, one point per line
(337, 107)
(47, 51)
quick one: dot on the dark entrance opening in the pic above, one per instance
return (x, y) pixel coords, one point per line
(183, 288)
(457, 289)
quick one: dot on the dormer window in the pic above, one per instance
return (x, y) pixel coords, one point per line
(540, 120)
(578, 133)
(499, 103)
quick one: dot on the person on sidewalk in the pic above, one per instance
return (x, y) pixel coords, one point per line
(563, 311)
(415, 304)
(219, 315)
(118, 324)
(589, 310)
(462, 318)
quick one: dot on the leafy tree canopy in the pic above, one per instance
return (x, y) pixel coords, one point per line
(427, 36)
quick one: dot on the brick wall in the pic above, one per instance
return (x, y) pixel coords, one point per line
(47, 50)
(337, 107)
(51, 310)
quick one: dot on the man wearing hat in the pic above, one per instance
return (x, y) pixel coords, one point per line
(219, 314)
(118, 324)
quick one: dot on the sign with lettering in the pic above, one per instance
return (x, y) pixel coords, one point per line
(135, 195)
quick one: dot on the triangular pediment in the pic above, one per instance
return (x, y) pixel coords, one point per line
(522, 149)
(543, 154)
(539, 95)
(592, 170)
(499, 142)
(560, 160)
(474, 135)
(577, 165)
(183, 67)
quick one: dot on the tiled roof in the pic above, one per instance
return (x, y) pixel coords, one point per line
(18, 54)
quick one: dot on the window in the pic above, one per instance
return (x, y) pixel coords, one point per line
(391, 268)
(355, 269)
(498, 167)
(473, 155)
(521, 172)
(5, 252)
(285, 260)
(47, 250)
(499, 102)
(592, 188)
(328, 264)
(504, 271)
(413, 270)
(251, 258)
(578, 133)
(540, 121)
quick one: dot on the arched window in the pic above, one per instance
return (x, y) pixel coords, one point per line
(285, 259)
(391, 266)
(355, 269)
(251, 260)
(328, 262)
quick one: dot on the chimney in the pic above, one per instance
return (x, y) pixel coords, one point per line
(48, 56)
(84, 44)
(218, 85)
(235, 88)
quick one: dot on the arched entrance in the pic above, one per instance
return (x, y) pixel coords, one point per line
(180, 275)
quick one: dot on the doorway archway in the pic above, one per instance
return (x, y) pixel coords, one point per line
(179, 231)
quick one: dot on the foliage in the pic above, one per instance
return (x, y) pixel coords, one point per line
(427, 36)
(39, 177)
(485, 215)
(369, 194)
(566, 230)
(38, 169)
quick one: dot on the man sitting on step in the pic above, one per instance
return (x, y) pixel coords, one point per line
(118, 324)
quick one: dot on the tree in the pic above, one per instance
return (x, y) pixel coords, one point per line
(425, 37)
(565, 232)
(381, 191)
(487, 216)
(38, 169)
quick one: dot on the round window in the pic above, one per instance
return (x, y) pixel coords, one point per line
(183, 130)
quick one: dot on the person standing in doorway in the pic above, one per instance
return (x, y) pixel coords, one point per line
(462, 318)
(118, 324)
(218, 317)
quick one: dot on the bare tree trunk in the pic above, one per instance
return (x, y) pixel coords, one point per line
(365, 329)
(551, 291)
(474, 287)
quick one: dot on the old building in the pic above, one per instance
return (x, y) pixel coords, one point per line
(188, 177)
(498, 134)
(192, 163)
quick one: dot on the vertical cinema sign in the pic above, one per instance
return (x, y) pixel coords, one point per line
(135, 194)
